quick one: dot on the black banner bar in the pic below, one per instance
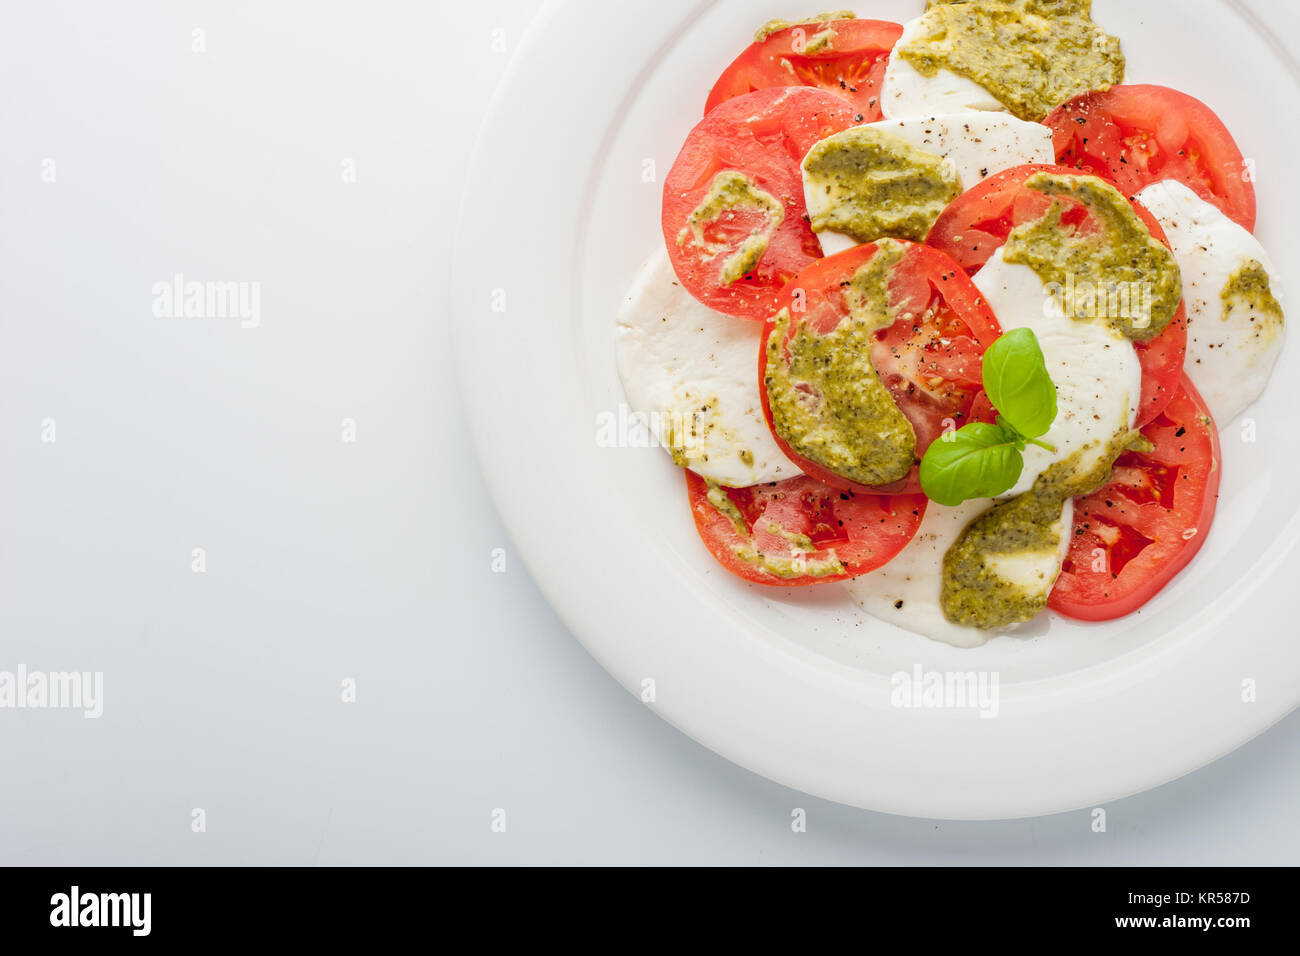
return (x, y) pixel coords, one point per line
(209, 905)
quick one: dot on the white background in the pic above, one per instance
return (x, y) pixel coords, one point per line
(329, 560)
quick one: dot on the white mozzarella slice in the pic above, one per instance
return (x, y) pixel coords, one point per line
(692, 375)
(832, 242)
(977, 146)
(908, 92)
(907, 591)
(1035, 572)
(1230, 351)
(1096, 370)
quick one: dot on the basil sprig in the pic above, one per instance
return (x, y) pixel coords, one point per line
(980, 460)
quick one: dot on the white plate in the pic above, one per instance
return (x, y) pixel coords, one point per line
(562, 205)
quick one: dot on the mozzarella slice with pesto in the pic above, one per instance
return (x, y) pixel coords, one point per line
(908, 92)
(907, 592)
(1095, 369)
(1233, 296)
(691, 376)
(978, 144)
(974, 146)
(1032, 57)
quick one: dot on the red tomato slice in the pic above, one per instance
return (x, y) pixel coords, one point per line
(1139, 135)
(861, 532)
(976, 224)
(852, 65)
(764, 136)
(1134, 535)
(982, 410)
(930, 359)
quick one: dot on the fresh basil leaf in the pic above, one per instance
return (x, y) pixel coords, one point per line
(1012, 434)
(1018, 385)
(976, 461)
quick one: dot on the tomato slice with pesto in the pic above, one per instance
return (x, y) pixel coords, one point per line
(734, 216)
(798, 532)
(1139, 135)
(845, 57)
(869, 357)
(977, 223)
(1132, 537)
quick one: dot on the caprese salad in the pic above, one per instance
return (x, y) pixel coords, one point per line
(948, 311)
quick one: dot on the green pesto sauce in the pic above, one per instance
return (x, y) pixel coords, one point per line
(972, 594)
(776, 26)
(1119, 274)
(1031, 55)
(798, 540)
(723, 504)
(874, 184)
(730, 191)
(820, 41)
(827, 402)
(794, 565)
(790, 567)
(1251, 290)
